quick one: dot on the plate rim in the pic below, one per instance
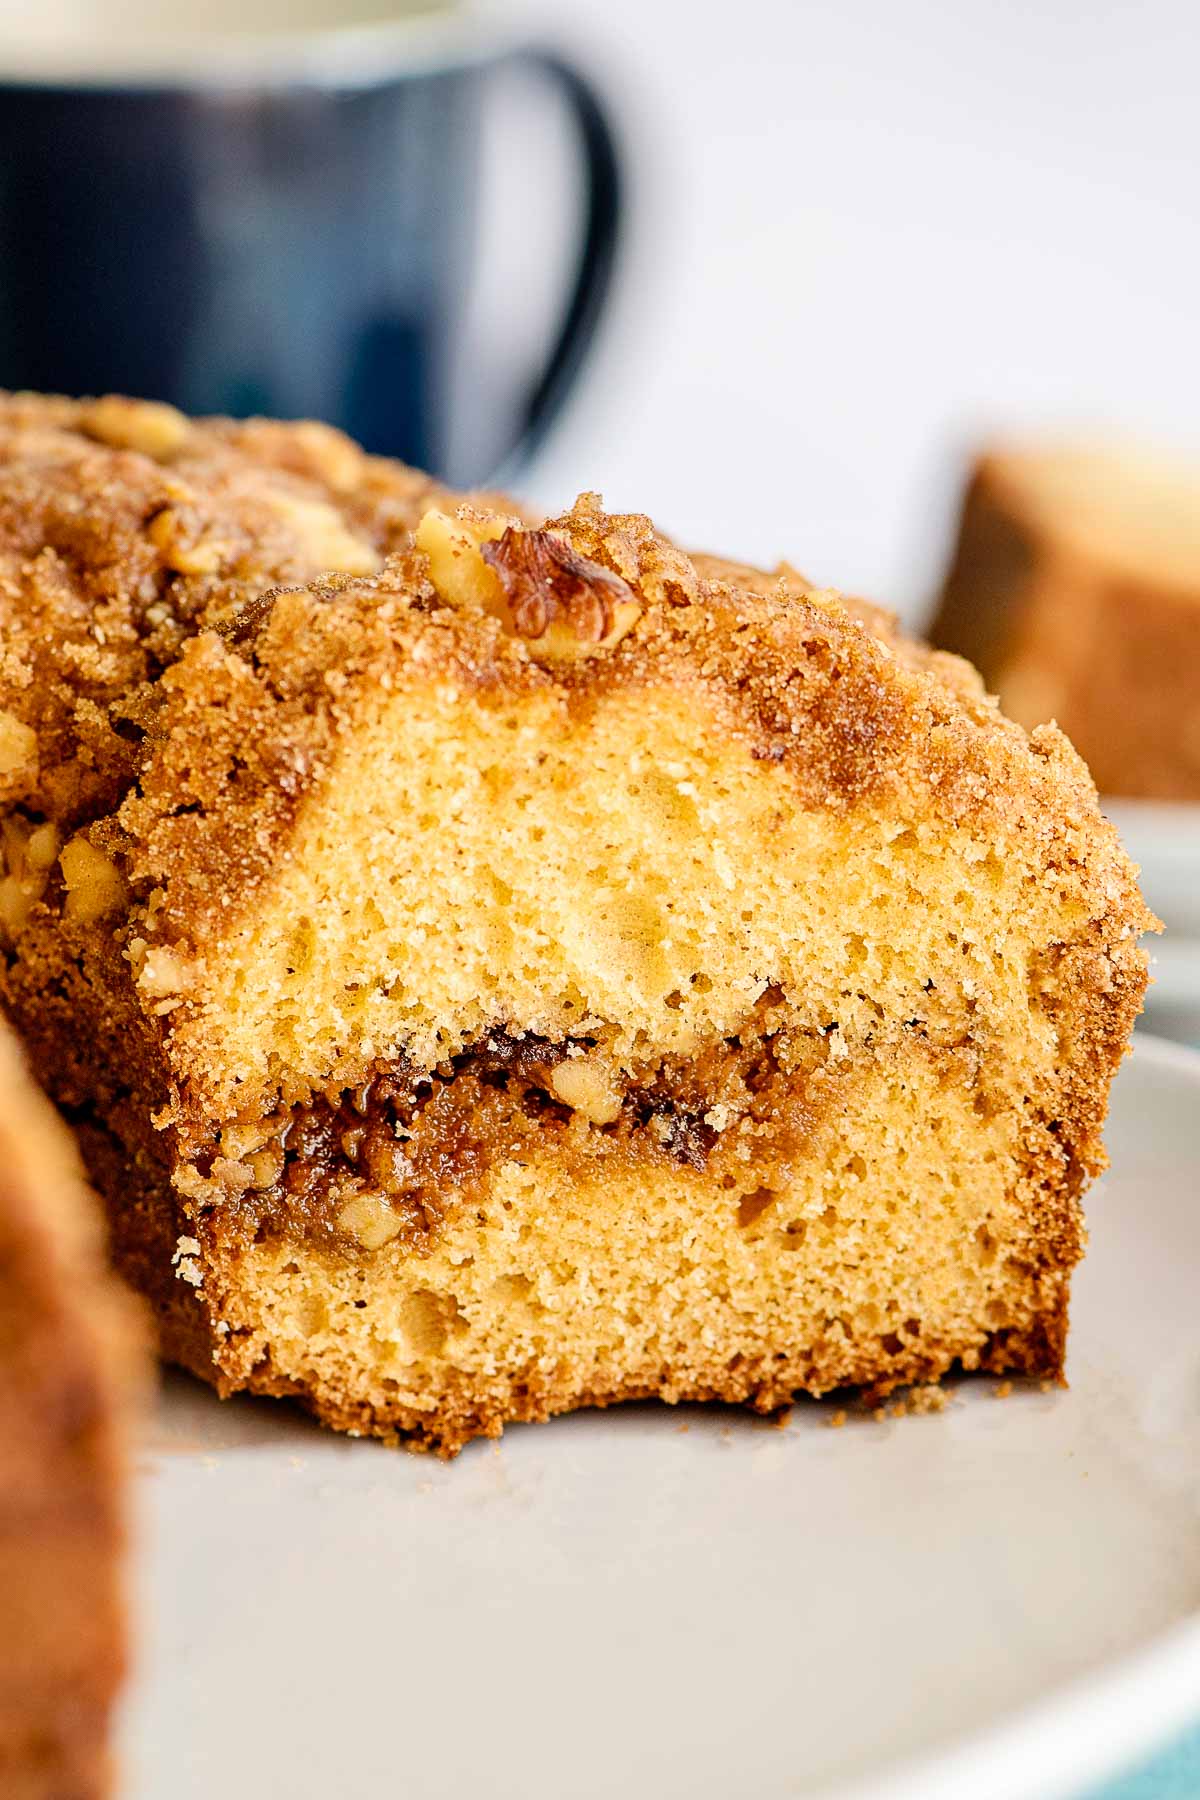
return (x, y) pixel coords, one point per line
(1174, 973)
(1093, 1730)
(1095, 1727)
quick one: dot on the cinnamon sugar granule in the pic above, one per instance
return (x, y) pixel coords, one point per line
(928, 1399)
(186, 1262)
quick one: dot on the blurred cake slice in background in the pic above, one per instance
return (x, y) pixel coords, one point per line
(1075, 589)
(69, 1366)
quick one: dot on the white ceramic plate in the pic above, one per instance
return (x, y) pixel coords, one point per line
(1164, 840)
(1002, 1600)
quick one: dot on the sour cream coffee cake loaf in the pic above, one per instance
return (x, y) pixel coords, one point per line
(496, 968)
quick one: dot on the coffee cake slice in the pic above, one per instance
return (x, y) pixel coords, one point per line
(68, 1373)
(551, 969)
(1075, 588)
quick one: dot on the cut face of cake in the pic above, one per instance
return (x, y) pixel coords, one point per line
(547, 969)
(1075, 587)
(67, 1364)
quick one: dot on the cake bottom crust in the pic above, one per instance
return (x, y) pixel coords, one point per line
(767, 1384)
(459, 1408)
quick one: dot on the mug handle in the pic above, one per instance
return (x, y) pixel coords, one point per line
(599, 241)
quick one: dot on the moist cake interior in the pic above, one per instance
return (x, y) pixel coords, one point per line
(741, 1057)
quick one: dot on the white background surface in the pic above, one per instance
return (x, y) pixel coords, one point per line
(866, 234)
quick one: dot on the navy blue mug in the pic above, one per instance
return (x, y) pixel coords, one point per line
(277, 220)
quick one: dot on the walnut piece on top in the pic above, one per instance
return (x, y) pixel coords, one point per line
(561, 603)
(148, 426)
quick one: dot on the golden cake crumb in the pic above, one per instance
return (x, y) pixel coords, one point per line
(924, 1400)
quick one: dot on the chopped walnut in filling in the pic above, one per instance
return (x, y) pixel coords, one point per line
(28, 852)
(390, 1160)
